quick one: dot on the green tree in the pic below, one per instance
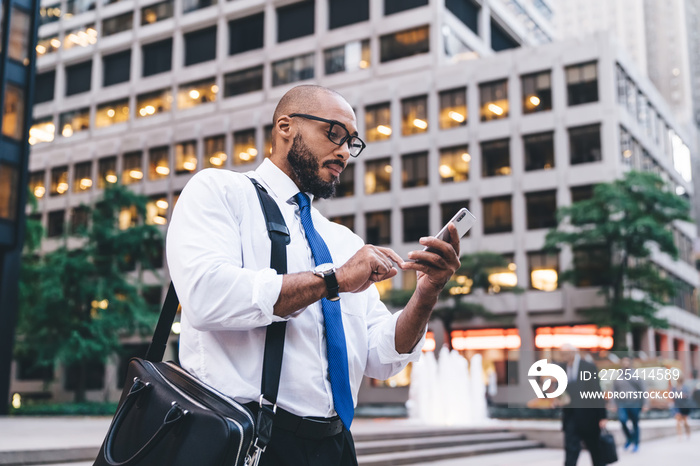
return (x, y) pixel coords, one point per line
(623, 222)
(77, 302)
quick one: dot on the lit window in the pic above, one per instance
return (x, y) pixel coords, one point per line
(588, 337)
(59, 181)
(414, 171)
(185, 157)
(200, 92)
(112, 112)
(153, 103)
(107, 171)
(46, 45)
(378, 228)
(454, 164)
(128, 217)
(244, 148)
(81, 37)
(49, 14)
(414, 115)
(378, 176)
(156, 12)
(494, 100)
(453, 108)
(404, 44)
(349, 57)
(37, 184)
(243, 81)
(582, 83)
(82, 177)
(117, 24)
(157, 210)
(544, 270)
(158, 163)
(9, 178)
(539, 151)
(541, 209)
(378, 122)
(74, 121)
(495, 158)
(498, 214)
(503, 277)
(191, 5)
(537, 92)
(215, 152)
(293, 69)
(18, 44)
(13, 112)
(132, 171)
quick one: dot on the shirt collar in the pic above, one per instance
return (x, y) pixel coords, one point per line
(277, 181)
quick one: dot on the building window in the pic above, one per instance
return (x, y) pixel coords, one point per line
(157, 12)
(56, 226)
(414, 115)
(404, 43)
(158, 163)
(378, 122)
(82, 177)
(244, 149)
(46, 45)
(537, 92)
(582, 83)
(544, 270)
(192, 5)
(79, 219)
(18, 43)
(415, 223)
(185, 157)
(498, 215)
(295, 20)
(196, 93)
(78, 78)
(581, 193)
(349, 57)
(43, 130)
(243, 81)
(49, 14)
(415, 170)
(395, 6)
(267, 132)
(37, 184)
(74, 121)
(591, 266)
(539, 151)
(44, 85)
(346, 185)
(157, 57)
(245, 34)
(378, 176)
(112, 112)
(541, 209)
(154, 102)
(347, 221)
(117, 24)
(132, 171)
(76, 7)
(157, 210)
(453, 108)
(584, 144)
(495, 158)
(116, 68)
(59, 181)
(13, 112)
(494, 100)
(467, 11)
(9, 178)
(200, 46)
(449, 209)
(454, 164)
(500, 39)
(80, 37)
(107, 171)
(214, 152)
(378, 227)
(342, 13)
(293, 69)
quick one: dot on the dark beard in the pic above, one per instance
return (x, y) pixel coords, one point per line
(306, 169)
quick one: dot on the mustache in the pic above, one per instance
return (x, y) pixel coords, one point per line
(334, 162)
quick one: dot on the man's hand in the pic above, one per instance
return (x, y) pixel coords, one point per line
(435, 269)
(369, 265)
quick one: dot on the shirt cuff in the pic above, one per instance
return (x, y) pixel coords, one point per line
(386, 349)
(266, 290)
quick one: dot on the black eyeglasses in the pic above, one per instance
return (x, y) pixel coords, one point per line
(338, 134)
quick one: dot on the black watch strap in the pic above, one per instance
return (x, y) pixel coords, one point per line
(332, 286)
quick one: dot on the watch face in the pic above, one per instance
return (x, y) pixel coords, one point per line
(325, 268)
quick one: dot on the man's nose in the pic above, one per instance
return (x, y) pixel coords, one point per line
(343, 151)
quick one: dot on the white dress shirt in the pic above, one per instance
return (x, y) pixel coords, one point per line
(218, 254)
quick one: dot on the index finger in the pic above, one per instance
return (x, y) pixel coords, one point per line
(391, 254)
(454, 237)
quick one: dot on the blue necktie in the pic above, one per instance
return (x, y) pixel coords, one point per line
(335, 335)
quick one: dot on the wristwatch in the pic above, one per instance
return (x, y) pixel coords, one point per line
(327, 272)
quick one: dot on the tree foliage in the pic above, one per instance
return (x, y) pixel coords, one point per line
(77, 302)
(626, 220)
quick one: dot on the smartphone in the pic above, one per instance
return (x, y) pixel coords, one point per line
(463, 221)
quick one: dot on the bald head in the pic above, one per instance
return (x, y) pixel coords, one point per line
(303, 99)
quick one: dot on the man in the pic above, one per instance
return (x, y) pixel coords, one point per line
(629, 402)
(219, 253)
(582, 419)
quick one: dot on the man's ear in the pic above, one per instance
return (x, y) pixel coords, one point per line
(284, 127)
